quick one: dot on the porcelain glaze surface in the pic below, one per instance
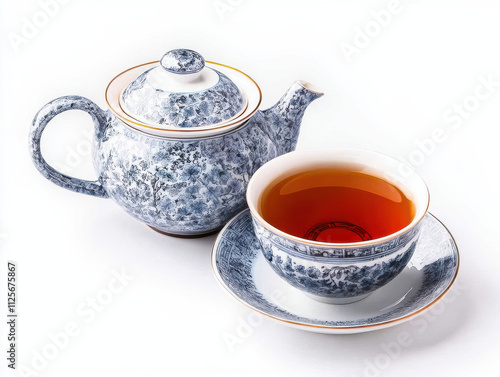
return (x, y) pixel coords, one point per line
(216, 104)
(237, 263)
(183, 186)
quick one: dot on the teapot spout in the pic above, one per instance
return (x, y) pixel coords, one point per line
(282, 121)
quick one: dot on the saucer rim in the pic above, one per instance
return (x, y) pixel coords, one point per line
(374, 326)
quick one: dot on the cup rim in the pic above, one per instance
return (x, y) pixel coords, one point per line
(256, 215)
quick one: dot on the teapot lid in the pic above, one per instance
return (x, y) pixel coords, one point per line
(182, 92)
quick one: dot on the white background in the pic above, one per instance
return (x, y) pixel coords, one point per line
(173, 318)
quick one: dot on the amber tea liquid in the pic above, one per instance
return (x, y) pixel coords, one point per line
(336, 205)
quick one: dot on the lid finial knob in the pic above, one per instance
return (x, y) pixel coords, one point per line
(182, 61)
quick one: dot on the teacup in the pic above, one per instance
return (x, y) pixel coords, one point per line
(337, 273)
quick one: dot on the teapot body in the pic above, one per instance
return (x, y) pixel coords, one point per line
(180, 186)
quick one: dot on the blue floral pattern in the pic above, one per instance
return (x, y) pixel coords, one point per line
(330, 280)
(182, 110)
(237, 249)
(335, 277)
(180, 187)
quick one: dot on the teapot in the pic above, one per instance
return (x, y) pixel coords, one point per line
(179, 141)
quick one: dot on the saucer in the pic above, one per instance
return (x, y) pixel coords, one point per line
(242, 270)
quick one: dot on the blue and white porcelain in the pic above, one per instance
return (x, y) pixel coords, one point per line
(337, 273)
(181, 92)
(186, 181)
(182, 61)
(242, 270)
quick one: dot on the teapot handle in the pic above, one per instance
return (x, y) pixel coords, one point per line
(42, 118)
